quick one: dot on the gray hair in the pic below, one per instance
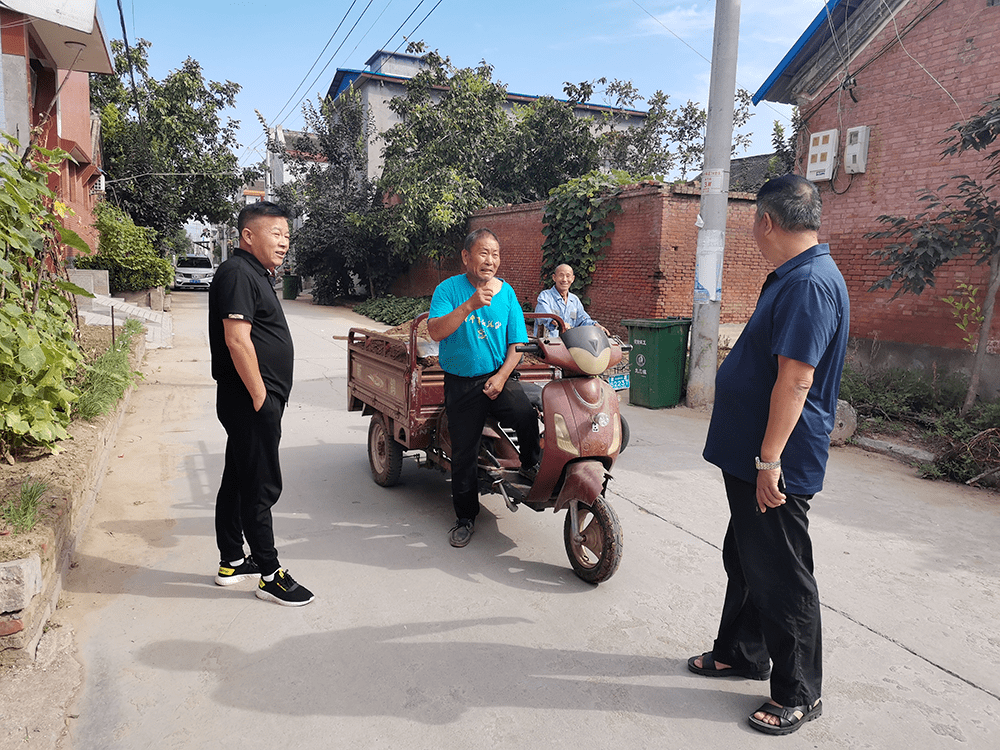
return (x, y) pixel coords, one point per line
(473, 237)
(792, 202)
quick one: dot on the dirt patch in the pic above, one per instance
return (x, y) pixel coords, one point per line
(60, 473)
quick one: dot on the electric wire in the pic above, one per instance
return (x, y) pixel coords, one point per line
(774, 109)
(415, 9)
(247, 149)
(318, 57)
(892, 15)
(415, 28)
(393, 35)
(923, 15)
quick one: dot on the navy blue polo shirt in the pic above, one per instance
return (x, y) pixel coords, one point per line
(804, 314)
(242, 290)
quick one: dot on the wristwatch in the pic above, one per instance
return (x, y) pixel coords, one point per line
(766, 465)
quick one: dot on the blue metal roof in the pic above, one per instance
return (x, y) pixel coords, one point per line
(777, 86)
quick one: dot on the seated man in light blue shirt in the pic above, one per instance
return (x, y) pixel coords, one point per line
(560, 301)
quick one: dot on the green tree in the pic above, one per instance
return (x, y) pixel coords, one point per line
(333, 196)
(785, 149)
(669, 138)
(168, 154)
(550, 144)
(457, 150)
(441, 160)
(960, 219)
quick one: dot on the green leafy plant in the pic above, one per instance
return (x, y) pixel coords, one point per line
(577, 224)
(126, 252)
(109, 376)
(897, 402)
(38, 355)
(21, 511)
(968, 313)
(393, 310)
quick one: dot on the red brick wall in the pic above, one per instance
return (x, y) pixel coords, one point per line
(647, 272)
(909, 114)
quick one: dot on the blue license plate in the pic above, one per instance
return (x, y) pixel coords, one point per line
(618, 382)
(195, 281)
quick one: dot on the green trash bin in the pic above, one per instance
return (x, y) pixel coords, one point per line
(289, 286)
(657, 361)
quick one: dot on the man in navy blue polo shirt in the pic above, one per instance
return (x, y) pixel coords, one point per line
(775, 404)
(252, 359)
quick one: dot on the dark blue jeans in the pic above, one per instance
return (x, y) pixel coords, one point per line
(251, 479)
(468, 407)
(772, 609)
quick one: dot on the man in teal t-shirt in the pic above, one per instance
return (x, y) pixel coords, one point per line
(479, 322)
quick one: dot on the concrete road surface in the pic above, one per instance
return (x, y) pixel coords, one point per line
(413, 644)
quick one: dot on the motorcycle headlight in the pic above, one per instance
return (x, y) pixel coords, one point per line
(563, 440)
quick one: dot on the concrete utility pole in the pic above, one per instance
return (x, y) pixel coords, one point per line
(714, 205)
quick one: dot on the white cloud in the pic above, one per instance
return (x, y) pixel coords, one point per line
(686, 21)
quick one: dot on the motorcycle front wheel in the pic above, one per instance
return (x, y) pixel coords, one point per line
(596, 558)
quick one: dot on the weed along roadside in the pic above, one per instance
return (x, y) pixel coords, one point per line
(53, 495)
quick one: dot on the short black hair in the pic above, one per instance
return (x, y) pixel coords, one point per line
(792, 202)
(261, 208)
(474, 236)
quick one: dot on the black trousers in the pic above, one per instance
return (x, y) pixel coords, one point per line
(772, 609)
(251, 479)
(467, 408)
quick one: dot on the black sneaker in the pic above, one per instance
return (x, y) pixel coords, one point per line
(228, 575)
(283, 590)
(529, 473)
(461, 532)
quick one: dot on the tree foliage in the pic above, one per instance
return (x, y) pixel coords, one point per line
(961, 218)
(39, 358)
(168, 154)
(669, 140)
(457, 149)
(333, 195)
(126, 252)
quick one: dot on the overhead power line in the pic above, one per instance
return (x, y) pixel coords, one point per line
(257, 140)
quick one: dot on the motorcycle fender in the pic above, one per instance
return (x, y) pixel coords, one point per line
(585, 482)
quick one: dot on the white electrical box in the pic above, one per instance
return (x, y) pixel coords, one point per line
(822, 155)
(856, 149)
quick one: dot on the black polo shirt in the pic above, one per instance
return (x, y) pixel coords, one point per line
(242, 290)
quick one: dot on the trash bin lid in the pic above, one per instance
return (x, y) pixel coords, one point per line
(656, 322)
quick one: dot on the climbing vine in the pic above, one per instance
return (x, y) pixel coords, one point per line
(38, 357)
(577, 225)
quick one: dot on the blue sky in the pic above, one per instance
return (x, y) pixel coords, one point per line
(534, 47)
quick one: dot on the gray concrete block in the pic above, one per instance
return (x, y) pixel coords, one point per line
(20, 581)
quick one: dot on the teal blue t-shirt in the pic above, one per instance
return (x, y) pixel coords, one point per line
(479, 346)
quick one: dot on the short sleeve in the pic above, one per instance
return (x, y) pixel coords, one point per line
(236, 294)
(805, 322)
(517, 331)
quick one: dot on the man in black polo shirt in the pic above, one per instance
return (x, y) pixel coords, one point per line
(252, 364)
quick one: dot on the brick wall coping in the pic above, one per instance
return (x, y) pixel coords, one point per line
(647, 187)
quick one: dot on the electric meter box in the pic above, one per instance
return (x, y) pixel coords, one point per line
(822, 155)
(856, 149)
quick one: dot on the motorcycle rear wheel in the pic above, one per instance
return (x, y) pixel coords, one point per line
(597, 558)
